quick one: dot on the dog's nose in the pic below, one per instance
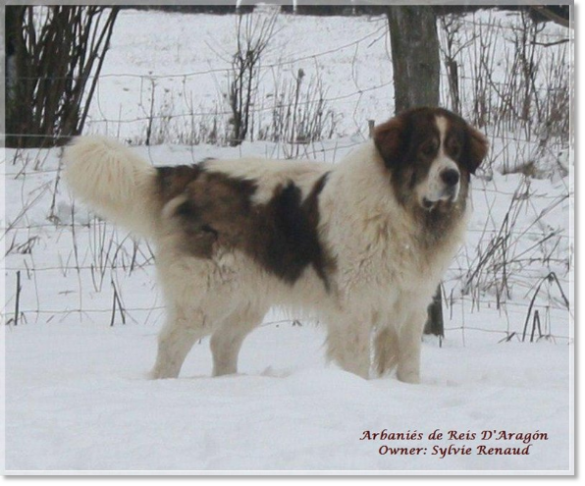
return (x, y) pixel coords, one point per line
(450, 177)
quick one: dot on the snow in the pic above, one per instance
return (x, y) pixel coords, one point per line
(78, 400)
(77, 397)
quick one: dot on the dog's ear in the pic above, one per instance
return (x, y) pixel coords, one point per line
(477, 148)
(389, 140)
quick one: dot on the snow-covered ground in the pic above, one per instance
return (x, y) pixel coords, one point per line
(76, 394)
(78, 400)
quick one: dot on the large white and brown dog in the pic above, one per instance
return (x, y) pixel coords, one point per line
(361, 244)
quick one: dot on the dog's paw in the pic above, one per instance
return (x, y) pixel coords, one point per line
(410, 377)
(160, 374)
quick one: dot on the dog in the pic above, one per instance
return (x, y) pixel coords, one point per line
(361, 244)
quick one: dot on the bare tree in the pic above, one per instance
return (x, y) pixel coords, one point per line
(416, 63)
(253, 36)
(54, 57)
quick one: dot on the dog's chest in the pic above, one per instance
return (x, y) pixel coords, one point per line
(385, 259)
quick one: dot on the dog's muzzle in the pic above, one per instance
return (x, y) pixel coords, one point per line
(443, 183)
(443, 186)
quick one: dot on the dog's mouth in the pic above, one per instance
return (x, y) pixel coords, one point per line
(428, 204)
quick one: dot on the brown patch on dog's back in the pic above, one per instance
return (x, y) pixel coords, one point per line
(280, 235)
(217, 211)
(173, 180)
(288, 239)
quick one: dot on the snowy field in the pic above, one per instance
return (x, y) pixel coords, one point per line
(84, 336)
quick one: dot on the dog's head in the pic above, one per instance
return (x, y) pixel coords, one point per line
(430, 153)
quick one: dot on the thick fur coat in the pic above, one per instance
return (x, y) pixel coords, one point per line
(361, 245)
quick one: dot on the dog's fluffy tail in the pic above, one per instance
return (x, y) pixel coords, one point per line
(113, 181)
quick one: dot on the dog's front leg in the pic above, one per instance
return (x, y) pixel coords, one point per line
(397, 343)
(348, 344)
(386, 351)
(409, 346)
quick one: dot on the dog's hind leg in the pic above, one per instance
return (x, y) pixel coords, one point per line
(227, 339)
(180, 332)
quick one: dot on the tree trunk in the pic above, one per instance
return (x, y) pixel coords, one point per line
(415, 56)
(416, 63)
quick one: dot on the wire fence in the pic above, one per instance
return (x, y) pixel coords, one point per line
(521, 237)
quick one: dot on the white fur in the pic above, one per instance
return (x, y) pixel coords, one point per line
(382, 284)
(112, 180)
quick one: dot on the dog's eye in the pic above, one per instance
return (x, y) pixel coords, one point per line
(454, 148)
(429, 148)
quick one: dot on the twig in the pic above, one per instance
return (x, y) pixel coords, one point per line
(117, 300)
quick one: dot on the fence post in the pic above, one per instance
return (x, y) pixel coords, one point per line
(371, 124)
(17, 304)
